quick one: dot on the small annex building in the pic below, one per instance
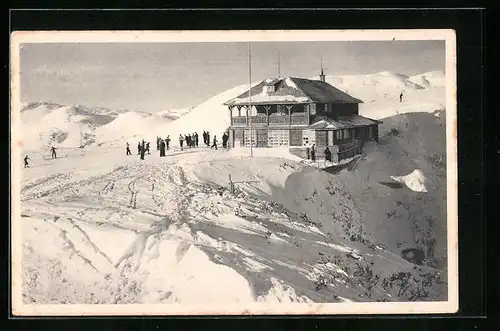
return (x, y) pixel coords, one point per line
(297, 113)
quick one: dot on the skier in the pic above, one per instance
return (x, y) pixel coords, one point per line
(147, 148)
(401, 97)
(224, 140)
(54, 154)
(128, 149)
(181, 141)
(26, 158)
(167, 141)
(215, 143)
(313, 153)
(208, 139)
(162, 148)
(328, 155)
(196, 139)
(143, 150)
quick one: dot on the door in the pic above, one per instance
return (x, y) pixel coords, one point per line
(321, 138)
(295, 137)
(261, 138)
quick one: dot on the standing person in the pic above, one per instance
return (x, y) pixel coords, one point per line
(181, 141)
(215, 143)
(128, 149)
(328, 154)
(147, 147)
(54, 154)
(138, 148)
(196, 139)
(313, 153)
(167, 141)
(162, 148)
(224, 140)
(143, 151)
(208, 139)
(157, 143)
(26, 158)
(204, 137)
(401, 97)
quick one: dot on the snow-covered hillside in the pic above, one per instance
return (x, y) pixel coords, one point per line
(380, 92)
(102, 227)
(52, 124)
(173, 114)
(211, 115)
(292, 234)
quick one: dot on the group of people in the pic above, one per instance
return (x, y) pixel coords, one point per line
(142, 148)
(190, 139)
(162, 145)
(327, 152)
(186, 140)
(52, 152)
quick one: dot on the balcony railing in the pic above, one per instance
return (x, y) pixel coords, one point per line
(239, 121)
(299, 119)
(262, 120)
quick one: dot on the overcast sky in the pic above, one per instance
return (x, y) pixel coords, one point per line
(161, 76)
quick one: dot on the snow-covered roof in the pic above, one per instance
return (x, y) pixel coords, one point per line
(292, 90)
(343, 122)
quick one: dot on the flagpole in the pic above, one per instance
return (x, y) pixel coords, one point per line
(250, 96)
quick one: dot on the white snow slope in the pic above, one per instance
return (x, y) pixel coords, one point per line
(291, 234)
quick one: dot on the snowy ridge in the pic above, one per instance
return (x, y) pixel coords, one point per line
(64, 125)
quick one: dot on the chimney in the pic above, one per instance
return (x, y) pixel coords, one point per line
(322, 75)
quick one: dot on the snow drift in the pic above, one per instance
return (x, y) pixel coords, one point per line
(414, 181)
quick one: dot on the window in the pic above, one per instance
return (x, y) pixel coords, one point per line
(338, 135)
(346, 133)
(280, 110)
(327, 108)
(278, 138)
(313, 109)
(270, 88)
(247, 138)
(308, 137)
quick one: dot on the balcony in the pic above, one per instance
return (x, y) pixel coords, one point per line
(299, 119)
(273, 119)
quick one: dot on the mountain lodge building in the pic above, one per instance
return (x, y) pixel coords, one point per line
(297, 113)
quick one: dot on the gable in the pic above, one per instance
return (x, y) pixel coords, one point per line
(293, 90)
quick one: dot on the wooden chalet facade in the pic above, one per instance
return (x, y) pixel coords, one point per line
(297, 113)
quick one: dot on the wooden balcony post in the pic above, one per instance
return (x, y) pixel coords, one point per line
(289, 108)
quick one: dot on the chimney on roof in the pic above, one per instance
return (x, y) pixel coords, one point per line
(322, 75)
